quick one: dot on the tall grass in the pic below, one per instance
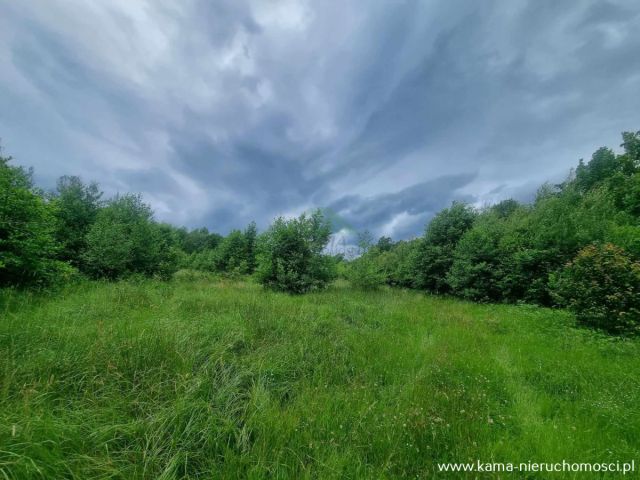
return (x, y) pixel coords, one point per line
(198, 378)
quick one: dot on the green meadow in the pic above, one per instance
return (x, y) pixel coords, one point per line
(206, 378)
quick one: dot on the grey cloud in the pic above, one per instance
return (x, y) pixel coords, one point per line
(421, 201)
(229, 111)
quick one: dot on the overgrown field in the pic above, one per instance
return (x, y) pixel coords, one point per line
(199, 378)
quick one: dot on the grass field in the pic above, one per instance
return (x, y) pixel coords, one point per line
(198, 378)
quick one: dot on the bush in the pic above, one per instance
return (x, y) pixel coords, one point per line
(77, 207)
(602, 287)
(27, 243)
(290, 254)
(435, 254)
(125, 240)
(399, 263)
(365, 272)
(476, 271)
(231, 254)
(204, 261)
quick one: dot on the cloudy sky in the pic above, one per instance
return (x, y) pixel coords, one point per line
(222, 112)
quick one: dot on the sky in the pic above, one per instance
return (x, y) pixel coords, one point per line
(221, 112)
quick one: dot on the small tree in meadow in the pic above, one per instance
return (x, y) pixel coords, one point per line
(290, 254)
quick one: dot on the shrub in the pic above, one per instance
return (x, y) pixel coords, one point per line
(27, 243)
(290, 254)
(399, 263)
(435, 254)
(77, 207)
(365, 272)
(476, 271)
(124, 240)
(204, 261)
(602, 286)
(231, 254)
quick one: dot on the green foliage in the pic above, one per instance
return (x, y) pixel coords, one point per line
(603, 165)
(505, 208)
(198, 240)
(399, 263)
(384, 244)
(250, 245)
(506, 252)
(124, 239)
(631, 158)
(386, 262)
(476, 270)
(290, 254)
(231, 254)
(365, 272)
(627, 237)
(204, 261)
(77, 207)
(602, 286)
(435, 255)
(27, 221)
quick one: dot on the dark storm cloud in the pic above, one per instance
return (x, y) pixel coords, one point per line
(225, 112)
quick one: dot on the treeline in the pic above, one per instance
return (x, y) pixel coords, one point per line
(576, 245)
(51, 237)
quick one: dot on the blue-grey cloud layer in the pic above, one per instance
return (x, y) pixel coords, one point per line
(221, 112)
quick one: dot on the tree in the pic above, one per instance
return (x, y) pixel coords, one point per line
(231, 254)
(365, 242)
(250, 240)
(27, 242)
(603, 165)
(384, 244)
(366, 271)
(505, 208)
(77, 207)
(200, 239)
(124, 239)
(630, 160)
(435, 254)
(290, 254)
(476, 271)
(399, 263)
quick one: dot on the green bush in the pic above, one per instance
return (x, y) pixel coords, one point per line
(125, 240)
(399, 263)
(231, 254)
(77, 206)
(476, 271)
(435, 254)
(290, 254)
(27, 220)
(602, 287)
(365, 272)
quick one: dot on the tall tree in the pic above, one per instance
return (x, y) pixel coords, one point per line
(77, 207)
